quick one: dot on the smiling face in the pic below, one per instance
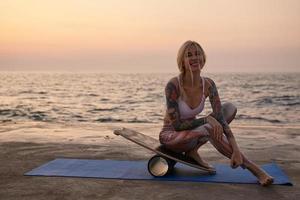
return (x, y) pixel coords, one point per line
(193, 58)
(190, 57)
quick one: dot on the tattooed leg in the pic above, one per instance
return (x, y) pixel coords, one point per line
(193, 153)
(183, 141)
(225, 148)
(229, 111)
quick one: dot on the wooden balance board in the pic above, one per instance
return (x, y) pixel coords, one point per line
(162, 154)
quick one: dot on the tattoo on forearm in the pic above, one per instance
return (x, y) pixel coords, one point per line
(217, 107)
(173, 113)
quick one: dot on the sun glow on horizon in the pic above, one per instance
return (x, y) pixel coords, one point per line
(121, 34)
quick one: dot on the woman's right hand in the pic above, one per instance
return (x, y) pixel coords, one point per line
(216, 126)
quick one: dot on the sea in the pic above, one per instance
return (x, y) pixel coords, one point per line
(262, 99)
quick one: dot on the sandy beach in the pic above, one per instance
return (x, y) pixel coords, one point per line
(25, 146)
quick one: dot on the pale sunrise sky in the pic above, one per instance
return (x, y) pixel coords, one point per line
(144, 36)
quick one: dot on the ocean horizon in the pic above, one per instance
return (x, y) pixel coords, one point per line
(262, 99)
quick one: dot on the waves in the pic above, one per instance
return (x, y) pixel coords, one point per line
(284, 100)
(110, 119)
(253, 118)
(96, 110)
(17, 114)
(139, 98)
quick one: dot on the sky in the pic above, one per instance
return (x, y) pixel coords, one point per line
(144, 36)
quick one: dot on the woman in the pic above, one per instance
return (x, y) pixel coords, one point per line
(183, 132)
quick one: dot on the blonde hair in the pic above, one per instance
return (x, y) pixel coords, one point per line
(182, 53)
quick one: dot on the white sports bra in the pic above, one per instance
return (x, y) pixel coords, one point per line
(185, 111)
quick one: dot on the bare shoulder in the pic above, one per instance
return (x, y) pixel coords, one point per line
(209, 84)
(172, 89)
(173, 81)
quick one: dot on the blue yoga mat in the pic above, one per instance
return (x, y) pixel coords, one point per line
(137, 170)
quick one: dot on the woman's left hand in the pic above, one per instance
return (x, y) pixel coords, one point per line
(236, 159)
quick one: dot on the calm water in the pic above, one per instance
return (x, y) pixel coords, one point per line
(262, 99)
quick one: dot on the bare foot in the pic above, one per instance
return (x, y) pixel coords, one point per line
(265, 179)
(199, 160)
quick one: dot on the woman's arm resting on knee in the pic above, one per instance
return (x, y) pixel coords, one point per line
(236, 158)
(173, 111)
(218, 114)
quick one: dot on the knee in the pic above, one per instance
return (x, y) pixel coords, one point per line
(229, 111)
(229, 107)
(210, 129)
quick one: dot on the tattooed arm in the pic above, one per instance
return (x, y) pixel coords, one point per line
(218, 114)
(172, 95)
